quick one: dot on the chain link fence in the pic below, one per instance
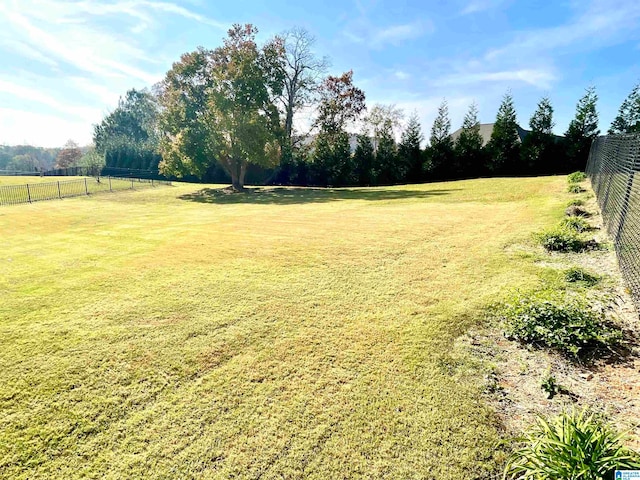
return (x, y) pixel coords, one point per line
(34, 192)
(614, 170)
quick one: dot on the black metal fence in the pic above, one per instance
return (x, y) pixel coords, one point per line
(614, 170)
(34, 192)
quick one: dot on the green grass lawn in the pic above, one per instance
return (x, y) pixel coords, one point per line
(286, 333)
(22, 179)
(22, 189)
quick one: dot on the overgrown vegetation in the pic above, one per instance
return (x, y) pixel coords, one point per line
(567, 325)
(576, 177)
(575, 445)
(561, 239)
(576, 223)
(578, 274)
(576, 202)
(575, 188)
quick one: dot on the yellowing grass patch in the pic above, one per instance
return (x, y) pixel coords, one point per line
(284, 333)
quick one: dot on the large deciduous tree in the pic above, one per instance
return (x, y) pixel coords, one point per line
(504, 146)
(301, 71)
(379, 118)
(583, 129)
(69, 155)
(219, 106)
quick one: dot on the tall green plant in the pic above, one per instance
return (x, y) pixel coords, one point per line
(577, 445)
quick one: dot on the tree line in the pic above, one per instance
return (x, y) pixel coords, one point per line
(30, 159)
(225, 113)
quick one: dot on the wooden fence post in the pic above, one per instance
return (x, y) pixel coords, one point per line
(59, 193)
(86, 188)
(28, 193)
(110, 184)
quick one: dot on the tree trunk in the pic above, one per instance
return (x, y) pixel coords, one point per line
(238, 170)
(288, 124)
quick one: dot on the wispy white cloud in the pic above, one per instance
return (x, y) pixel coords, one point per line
(178, 10)
(85, 49)
(401, 75)
(476, 6)
(36, 95)
(80, 51)
(26, 51)
(595, 25)
(539, 78)
(376, 36)
(396, 34)
(66, 31)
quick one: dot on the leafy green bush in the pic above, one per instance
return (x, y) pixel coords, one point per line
(575, 445)
(575, 188)
(576, 202)
(561, 240)
(577, 274)
(566, 325)
(577, 177)
(575, 223)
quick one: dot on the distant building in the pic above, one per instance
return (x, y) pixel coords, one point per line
(309, 139)
(485, 133)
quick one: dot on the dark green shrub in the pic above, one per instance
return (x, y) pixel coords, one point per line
(575, 188)
(566, 325)
(577, 274)
(576, 177)
(575, 223)
(576, 202)
(561, 240)
(575, 445)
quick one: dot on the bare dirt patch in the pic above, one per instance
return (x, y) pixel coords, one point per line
(515, 373)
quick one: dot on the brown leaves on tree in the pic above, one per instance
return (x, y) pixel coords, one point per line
(69, 155)
(340, 103)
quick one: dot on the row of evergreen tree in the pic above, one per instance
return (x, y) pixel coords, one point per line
(379, 160)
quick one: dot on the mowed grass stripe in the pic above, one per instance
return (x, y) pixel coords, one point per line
(298, 333)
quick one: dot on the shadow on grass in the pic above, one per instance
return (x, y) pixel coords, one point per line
(290, 196)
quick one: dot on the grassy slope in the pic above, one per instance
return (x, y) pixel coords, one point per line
(300, 333)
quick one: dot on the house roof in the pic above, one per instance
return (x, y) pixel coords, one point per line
(485, 133)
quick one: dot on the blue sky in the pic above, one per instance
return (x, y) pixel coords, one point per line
(64, 63)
